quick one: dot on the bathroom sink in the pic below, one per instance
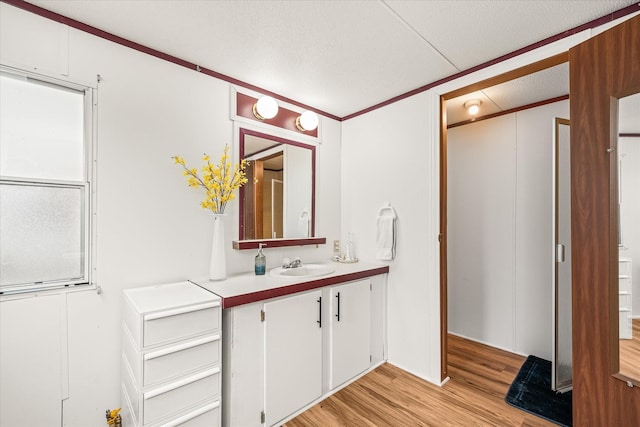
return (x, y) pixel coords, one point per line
(306, 270)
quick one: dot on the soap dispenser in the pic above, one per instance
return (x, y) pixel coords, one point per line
(261, 261)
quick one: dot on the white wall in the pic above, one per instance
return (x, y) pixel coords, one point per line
(150, 227)
(534, 247)
(386, 158)
(481, 191)
(500, 230)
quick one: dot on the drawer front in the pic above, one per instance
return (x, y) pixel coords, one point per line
(624, 284)
(206, 416)
(625, 325)
(180, 395)
(131, 322)
(624, 267)
(131, 357)
(131, 397)
(180, 359)
(172, 325)
(624, 300)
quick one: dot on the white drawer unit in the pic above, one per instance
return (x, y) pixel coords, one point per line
(171, 361)
(171, 356)
(625, 297)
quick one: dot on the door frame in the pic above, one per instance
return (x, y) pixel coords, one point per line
(549, 62)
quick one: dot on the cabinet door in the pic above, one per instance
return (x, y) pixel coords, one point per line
(293, 354)
(32, 377)
(350, 331)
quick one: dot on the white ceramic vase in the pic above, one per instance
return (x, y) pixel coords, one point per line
(218, 266)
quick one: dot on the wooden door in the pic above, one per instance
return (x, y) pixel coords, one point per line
(253, 200)
(602, 69)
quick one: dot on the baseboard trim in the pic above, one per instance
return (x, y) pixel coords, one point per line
(510, 350)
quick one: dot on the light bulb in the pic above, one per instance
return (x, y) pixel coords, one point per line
(306, 121)
(265, 108)
(473, 106)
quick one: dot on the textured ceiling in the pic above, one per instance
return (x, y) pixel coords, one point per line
(337, 56)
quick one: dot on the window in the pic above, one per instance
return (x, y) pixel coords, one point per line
(45, 158)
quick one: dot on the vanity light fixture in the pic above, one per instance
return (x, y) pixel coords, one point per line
(473, 106)
(265, 108)
(307, 121)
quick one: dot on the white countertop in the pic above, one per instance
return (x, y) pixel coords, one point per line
(171, 295)
(246, 288)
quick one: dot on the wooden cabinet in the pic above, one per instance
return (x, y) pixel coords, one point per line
(293, 354)
(349, 331)
(171, 356)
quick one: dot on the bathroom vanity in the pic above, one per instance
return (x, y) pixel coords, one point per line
(291, 341)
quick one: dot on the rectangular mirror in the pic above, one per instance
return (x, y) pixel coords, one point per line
(277, 205)
(628, 180)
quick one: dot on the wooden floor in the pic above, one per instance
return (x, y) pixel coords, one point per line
(630, 353)
(388, 396)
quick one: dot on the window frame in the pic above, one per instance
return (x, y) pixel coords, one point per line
(87, 185)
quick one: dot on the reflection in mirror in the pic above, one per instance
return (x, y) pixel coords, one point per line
(629, 235)
(278, 200)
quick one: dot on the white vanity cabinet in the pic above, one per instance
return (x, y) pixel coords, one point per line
(282, 354)
(293, 354)
(349, 331)
(171, 356)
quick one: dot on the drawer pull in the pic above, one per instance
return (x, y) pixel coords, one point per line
(192, 415)
(179, 347)
(181, 310)
(169, 387)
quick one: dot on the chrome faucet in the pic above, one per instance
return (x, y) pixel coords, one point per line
(286, 263)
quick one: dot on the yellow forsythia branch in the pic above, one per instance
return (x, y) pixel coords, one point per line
(219, 181)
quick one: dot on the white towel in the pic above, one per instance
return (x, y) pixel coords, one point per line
(303, 223)
(386, 238)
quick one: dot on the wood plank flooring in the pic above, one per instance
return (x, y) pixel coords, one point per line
(630, 353)
(388, 396)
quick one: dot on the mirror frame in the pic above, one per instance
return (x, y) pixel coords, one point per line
(272, 243)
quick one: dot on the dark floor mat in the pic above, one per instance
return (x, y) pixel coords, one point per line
(531, 392)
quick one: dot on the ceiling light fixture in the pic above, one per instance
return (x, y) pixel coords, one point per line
(307, 121)
(473, 106)
(265, 108)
